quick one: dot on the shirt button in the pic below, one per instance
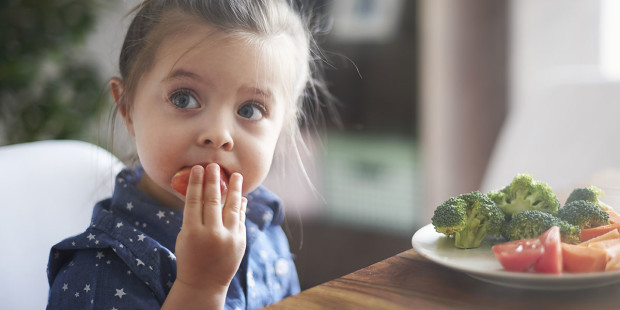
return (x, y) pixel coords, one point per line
(282, 267)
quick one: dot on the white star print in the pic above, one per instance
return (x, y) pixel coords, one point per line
(65, 287)
(129, 206)
(77, 294)
(90, 237)
(120, 293)
(141, 237)
(282, 267)
(119, 224)
(250, 280)
(139, 262)
(267, 217)
(100, 255)
(87, 288)
(161, 214)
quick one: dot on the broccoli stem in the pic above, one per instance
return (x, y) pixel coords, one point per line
(470, 238)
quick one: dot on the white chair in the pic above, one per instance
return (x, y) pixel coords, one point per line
(47, 192)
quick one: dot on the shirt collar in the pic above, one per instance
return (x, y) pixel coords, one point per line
(142, 211)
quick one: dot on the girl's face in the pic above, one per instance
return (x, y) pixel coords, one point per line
(207, 98)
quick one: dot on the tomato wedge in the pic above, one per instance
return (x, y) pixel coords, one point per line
(180, 180)
(583, 259)
(551, 260)
(519, 255)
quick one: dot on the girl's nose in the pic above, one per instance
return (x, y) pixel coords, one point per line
(217, 135)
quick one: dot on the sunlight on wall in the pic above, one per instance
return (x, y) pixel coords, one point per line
(610, 39)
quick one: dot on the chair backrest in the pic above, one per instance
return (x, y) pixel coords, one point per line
(47, 191)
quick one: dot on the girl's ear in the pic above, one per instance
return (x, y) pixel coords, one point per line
(118, 94)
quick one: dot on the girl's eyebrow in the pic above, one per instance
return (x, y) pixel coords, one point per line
(266, 93)
(181, 73)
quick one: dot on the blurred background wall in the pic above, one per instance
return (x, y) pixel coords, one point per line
(438, 97)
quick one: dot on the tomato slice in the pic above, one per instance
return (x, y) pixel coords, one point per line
(519, 255)
(551, 260)
(180, 180)
(583, 259)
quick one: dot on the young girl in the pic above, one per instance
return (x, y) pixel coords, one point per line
(215, 87)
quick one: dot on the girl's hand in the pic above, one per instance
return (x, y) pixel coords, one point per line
(212, 241)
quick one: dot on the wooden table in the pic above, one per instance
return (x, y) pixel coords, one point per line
(410, 281)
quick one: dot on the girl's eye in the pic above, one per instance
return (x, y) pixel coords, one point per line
(183, 99)
(252, 111)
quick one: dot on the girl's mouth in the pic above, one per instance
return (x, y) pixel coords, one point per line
(180, 180)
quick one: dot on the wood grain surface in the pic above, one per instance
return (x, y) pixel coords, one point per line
(410, 281)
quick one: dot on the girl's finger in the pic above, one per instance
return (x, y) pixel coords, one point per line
(244, 208)
(233, 201)
(192, 214)
(212, 209)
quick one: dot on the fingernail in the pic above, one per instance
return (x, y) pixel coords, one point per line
(214, 168)
(197, 170)
(237, 179)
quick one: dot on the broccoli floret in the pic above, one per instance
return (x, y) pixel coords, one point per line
(450, 216)
(584, 214)
(525, 193)
(468, 218)
(591, 194)
(532, 223)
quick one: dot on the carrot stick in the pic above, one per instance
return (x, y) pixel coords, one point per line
(612, 234)
(614, 217)
(589, 233)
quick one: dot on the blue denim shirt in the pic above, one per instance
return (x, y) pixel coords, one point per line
(125, 259)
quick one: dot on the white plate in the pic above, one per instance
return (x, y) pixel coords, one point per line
(480, 263)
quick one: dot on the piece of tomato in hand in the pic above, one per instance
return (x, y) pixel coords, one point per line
(519, 255)
(551, 260)
(180, 180)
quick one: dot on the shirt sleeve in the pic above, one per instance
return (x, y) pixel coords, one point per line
(99, 279)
